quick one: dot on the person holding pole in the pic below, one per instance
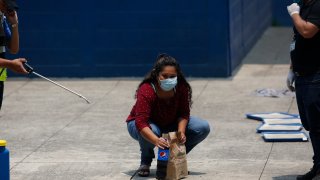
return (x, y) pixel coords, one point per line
(9, 40)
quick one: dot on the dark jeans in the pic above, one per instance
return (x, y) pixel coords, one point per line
(308, 100)
(2, 55)
(1, 92)
(197, 130)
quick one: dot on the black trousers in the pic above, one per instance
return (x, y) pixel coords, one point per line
(308, 100)
(1, 92)
(2, 55)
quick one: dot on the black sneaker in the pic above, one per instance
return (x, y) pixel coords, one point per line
(308, 176)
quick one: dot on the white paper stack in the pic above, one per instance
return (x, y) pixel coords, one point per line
(283, 121)
(284, 136)
(274, 115)
(278, 127)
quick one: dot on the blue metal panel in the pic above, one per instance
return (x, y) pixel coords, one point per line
(218, 39)
(236, 32)
(280, 13)
(248, 20)
(122, 37)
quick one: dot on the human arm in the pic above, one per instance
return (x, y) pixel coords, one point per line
(305, 28)
(145, 99)
(15, 65)
(182, 129)
(148, 134)
(13, 44)
(184, 111)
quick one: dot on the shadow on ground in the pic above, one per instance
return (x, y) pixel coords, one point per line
(286, 177)
(153, 174)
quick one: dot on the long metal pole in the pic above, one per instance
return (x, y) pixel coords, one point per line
(81, 96)
(30, 70)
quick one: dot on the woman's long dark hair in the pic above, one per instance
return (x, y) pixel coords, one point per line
(162, 61)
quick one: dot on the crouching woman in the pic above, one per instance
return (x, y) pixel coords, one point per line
(163, 101)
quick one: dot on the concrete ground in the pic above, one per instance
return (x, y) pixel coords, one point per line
(55, 135)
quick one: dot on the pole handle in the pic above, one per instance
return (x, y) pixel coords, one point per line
(28, 67)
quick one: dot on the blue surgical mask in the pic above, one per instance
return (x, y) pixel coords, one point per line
(168, 84)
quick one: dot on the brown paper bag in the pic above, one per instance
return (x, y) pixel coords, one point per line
(177, 163)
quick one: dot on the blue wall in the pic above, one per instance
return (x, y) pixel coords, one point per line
(123, 37)
(248, 20)
(280, 13)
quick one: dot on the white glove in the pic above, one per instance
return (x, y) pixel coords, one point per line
(294, 8)
(290, 80)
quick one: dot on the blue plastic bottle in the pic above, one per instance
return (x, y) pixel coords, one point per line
(162, 162)
(4, 161)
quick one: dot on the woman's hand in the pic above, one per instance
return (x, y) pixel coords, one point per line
(182, 138)
(181, 130)
(162, 143)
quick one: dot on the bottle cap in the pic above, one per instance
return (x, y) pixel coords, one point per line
(3, 143)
